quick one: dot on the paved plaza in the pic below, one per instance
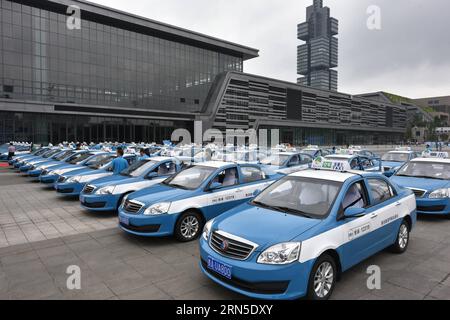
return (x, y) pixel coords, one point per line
(42, 234)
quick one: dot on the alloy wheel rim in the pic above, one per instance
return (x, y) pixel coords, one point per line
(323, 280)
(189, 227)
(403, 237)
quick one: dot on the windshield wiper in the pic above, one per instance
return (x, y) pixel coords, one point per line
(174, 185)
(428, 177)
(282, 209)
(295, 211)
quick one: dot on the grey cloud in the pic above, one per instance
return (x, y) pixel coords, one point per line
(409, 56)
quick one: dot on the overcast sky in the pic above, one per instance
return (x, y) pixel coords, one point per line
(409, 56)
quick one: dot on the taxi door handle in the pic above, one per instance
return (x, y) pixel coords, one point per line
(398, 204)
(374, 216)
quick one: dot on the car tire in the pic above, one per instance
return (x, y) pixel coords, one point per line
(189, 226)
(402, 241)
(322, 279)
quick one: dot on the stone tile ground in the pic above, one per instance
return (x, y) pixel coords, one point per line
(42, 234)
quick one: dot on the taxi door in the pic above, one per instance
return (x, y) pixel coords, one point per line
(357, 232)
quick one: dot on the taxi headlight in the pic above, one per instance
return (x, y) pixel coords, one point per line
(440, 194)
(106, 190)
(76, 179)
(281, 254)
(157, 209)
(207, 229)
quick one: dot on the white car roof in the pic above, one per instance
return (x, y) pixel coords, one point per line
(324, 175)
(340, 156)
(214, 164)
(159, 159)
(401, 152)
(431, 160)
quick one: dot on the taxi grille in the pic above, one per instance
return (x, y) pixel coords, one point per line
(232, 249)
(132, 207)
(88, 189)
(418, 193)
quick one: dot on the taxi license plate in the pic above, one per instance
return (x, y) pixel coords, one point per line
(220, 268)
(124, 220)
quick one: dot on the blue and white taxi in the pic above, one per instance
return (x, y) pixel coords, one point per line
(79, 161)
(393, 160)
(58, 158)
(27, 165)
(287, 162)
(296, 237)
(429, 178)
(72, 183)
(48, 174)
(183, 203)
(21, 158)
(106, 194)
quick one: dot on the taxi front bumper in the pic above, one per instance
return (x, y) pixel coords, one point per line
(48, 179)
(99, 202)
(433, 206)
(69, 189)
(148, 226)
(259, 281)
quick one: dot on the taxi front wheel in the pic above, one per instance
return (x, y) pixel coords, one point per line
(402, 241)
(189, 226)
(322, 279)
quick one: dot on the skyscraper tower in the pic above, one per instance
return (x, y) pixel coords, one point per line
(317, 57)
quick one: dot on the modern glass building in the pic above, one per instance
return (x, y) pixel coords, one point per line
(317, 57)
(120, 77)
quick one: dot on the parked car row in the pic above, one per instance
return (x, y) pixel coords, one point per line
(283, 226)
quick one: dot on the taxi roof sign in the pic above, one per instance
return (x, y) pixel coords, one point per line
(321, 163)
(435, 154)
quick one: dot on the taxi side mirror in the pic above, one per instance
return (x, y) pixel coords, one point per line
(152, 175)
(354, 213)
(215, 186)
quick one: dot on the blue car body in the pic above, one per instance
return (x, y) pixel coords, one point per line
(287, 162)
(72, 183)
(106, 194)
(60, 158)
(393, 160)
(76, 161)
(206, 199)
(234, 243)
(431, 185)
(33, 168)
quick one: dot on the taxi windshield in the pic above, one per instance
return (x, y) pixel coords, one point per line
(275, 160)
(100, 161)
(63, 155)
(51, 153)
(310, 198)
(138, 169)
(428, 170)
(396, 157)
(190, 178)
(311, 152)
(79, 157)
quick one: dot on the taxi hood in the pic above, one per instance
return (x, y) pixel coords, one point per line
(420, 183)
(262, 226)
(109, 180)
(160, 193)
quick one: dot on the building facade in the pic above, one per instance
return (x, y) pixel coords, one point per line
(121, 77)
(118, 77)
(319, 55)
